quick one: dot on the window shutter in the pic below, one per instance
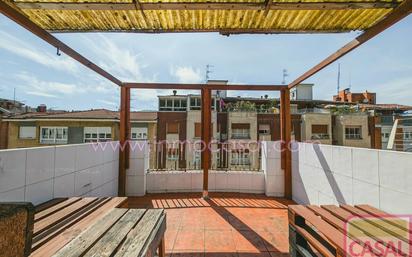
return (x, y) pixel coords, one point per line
(240, 126)
(198, 129)
(319, 129)
(173, 128)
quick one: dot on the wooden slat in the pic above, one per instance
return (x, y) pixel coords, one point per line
(58, 228)
(139, 238)
(345, 216)
(60, 215)
(48, 204)
(54, 208)
(313, 241)
(379, 213)
(82, 243)
(331, 234)
(56, 243)
(109, 243)
(389, 228)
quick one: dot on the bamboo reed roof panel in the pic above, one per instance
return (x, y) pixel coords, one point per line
(226, 17)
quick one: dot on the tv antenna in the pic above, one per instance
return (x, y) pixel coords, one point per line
(338, 78)
(208, 71)
(284, 75)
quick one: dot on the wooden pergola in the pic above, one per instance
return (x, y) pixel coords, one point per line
(44, 17)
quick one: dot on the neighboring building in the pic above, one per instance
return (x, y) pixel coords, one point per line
(348, 97)
(302, 92)
(352, 130)
(317, 127)
(38, 129)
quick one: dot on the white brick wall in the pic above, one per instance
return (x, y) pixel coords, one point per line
(43, 173)
(325, 174)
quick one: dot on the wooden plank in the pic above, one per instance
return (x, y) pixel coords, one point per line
(86, 240)
(58, 228)
(56, 243)
(138, 240)
(204, 86)
(54, 208)
(337, 239)
(48, 204)
(366, 228)
(60, 215)
(313, 241)
(206, 117)
(389, 228)
(392, 18)
(379, 213)
(267, 5)
(26, 23)
(109, 243)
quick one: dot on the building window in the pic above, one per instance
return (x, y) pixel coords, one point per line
(172, 104)
(172, 128)
(198, 129)
(240, 157)
(407, 135)
(320, 132)
(53, 135)
(195, 103)
(264, 129)
(385, 135)
(26, 132)
(240, 130)
(353, 132)
(97, 134)
(139, 134)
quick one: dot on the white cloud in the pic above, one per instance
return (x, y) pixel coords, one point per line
(395, 91)
(187, 74)
(120, 61)
(31, 52)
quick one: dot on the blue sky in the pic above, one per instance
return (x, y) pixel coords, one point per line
(31, 66)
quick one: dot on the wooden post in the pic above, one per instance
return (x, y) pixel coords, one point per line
(206, 114)
(123, 138)
(285, 135)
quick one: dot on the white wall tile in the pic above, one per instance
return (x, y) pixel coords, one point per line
(136, 167)
(395, 202)
(40, 192)
(138, 149)
(135, 185)
(221, 181)
(15, 195)
(273, 167)
(12, 169)
(365, 193)
(40, 164)
(96, 176)
(342, 160)
(87, 156)
(64, 186)
(82, 182)
(233, 181)
(395, 171)
(365, 165)
(197, 181)
(65, 160)
(258, 183)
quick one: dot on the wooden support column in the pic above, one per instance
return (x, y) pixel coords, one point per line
(206, 114)
(123, 138)
(285, 135)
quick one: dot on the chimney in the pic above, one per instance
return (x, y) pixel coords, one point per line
(174, 92)
(266, 96)
(42, 108)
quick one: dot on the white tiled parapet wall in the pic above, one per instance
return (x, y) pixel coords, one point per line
(325, 174)
(271, 166)
(43, 173)
(138, 167)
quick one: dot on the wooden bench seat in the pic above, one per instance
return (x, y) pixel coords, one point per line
(321, 231)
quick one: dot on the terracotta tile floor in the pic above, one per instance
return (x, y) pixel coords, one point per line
(228, 224)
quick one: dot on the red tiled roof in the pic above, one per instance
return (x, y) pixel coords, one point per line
(386, 107)
(89, 114)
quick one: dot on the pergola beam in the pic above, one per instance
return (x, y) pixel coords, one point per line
(403, 10)
(26, 23)
(267, 5)
(202, 86)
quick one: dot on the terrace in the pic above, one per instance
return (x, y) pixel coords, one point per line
(209, 212)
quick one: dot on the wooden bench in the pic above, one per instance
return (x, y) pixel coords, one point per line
(320, 231)
(95, 227)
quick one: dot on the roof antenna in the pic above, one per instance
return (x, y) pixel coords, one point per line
(58, 51)
(338, 78)
(208, 71)
(284, 75)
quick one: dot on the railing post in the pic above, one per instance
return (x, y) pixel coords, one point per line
(124, 131)
(285, 135)
(206, 116)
